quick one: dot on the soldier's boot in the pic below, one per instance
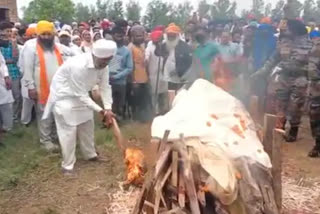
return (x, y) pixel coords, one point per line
(315, 152)
(292, 135)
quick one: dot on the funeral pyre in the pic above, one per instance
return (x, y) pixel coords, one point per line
(209, 158)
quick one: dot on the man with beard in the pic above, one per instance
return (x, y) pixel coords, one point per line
(41, 59)
(73, 108)
(120, 68)
(177, 55)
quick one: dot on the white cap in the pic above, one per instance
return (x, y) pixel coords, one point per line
(64, 33)
(66, 28)
(75, 37)
(104, 48)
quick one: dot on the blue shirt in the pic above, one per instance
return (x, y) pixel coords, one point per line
(120, 66)
(13, 69)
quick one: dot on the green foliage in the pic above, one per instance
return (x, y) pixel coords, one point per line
(116, 10)
(223, 9)
(309, 10)
(133, 11)
(268, 10)
(293, 9)
(182, 13)
(203, 8)
(102, 8)
(158, 13)
(82, 13)
(62, 10)
(277, 12)
(257, 8)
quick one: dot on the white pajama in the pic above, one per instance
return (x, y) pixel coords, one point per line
(6, 115)
(26, 112)
(68, 135)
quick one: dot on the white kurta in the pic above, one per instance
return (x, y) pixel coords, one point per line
(69, 90)
(153, 66)
(5, 95)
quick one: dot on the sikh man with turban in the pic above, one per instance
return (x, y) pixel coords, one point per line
(73, 108)
(177, 55)
(41, 59)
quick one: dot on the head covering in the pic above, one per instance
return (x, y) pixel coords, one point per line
(64, 33)
(105, 24)
(45, 27)
(33, 25)
(17, 25)
(173, 28)
(266, 20)
(159, 28)
(137, 29)
(66, 28)
(31, 31)
(264, 45)
(85, 25)
(156, 36)
(253, 24)
(96, 33)
(314, 34)
(104, 48)
(75, 37)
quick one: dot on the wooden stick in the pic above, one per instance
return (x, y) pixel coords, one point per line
(269, 124)
(163, 142)
(181, 190)
(118, 136)
(162, 161)
(277, 166)
(188, 178)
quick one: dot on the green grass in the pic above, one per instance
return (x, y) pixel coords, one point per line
(23, 153)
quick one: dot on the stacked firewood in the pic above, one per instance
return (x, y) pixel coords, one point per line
(175, 184)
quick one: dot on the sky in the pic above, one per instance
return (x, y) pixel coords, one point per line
(242, 4)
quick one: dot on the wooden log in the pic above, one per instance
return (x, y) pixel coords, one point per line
(269, 125)
(277, 166)
(162, 161)
(163, 142)
(254, 108)
(181, 190)
(188, 178)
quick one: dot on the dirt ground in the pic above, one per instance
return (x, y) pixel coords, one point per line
(93, 189)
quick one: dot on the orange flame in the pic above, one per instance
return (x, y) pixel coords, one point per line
(134, 160)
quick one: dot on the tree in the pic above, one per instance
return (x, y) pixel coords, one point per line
(245, 13)
(182, 13)
(309, 10)
(116, 10)
(257, 8)
(268, 10)
(223, 9)
(293, 9)
(158, 13)
(277, 12)
(62, 10)
(203, 8)
(82, 13)
(93, 13)
(102, 8)
(133, 10)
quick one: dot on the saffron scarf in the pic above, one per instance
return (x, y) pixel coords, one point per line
(44, 84)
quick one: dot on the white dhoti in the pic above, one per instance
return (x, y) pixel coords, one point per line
(72, 125)
(26, 112)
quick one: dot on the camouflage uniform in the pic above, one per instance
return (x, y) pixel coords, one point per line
(314, 84)
(292, 58)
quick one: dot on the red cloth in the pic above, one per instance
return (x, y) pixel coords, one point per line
(105, 25)
(159, 28)
(156, 36)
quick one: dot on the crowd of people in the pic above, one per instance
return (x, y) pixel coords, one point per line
(52, 72)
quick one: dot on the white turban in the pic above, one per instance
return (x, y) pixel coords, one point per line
(66, 28)
(104, 48)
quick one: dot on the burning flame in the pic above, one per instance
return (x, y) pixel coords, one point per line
(134, 160)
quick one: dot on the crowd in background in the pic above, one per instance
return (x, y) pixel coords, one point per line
(152, 64)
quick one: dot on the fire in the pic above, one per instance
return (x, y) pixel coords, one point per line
(134, 160)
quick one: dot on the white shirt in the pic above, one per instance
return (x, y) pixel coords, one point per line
(69, 91)
(5, 95)
(153, 66)
(31, 65)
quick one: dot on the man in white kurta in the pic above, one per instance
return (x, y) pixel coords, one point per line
(6, 98)
(70, 102)
(31, 65)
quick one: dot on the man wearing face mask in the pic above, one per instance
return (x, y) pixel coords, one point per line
(72, 106)
(205, 53)
(120, 68)
(41, 59)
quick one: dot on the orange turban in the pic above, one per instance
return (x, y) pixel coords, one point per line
(31, 31)
(266, 20)
(45, 27)
(173, 28)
